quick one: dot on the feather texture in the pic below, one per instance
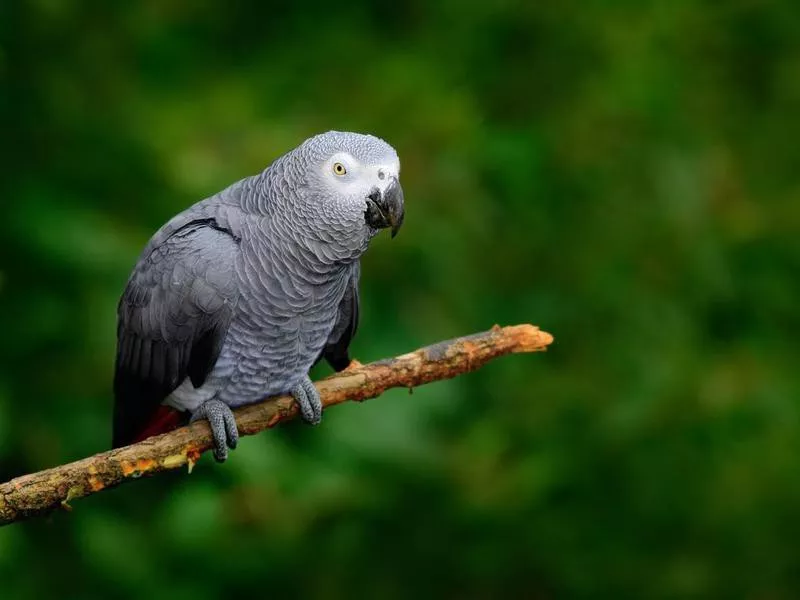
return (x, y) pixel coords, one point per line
(238, 296)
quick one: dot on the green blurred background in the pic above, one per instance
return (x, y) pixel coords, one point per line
(625, 175)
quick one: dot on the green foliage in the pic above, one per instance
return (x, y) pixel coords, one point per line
(622, 174)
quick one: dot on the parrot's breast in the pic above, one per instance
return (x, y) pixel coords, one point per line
(280, 326)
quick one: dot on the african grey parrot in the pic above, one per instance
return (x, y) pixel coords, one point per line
(237, 297)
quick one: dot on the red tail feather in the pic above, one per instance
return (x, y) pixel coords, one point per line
(163, 420)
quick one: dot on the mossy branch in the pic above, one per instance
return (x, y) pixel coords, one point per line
(41, 492)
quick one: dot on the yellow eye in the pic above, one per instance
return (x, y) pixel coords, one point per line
(339, 169)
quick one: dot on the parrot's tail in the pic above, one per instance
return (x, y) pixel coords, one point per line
(163, 420)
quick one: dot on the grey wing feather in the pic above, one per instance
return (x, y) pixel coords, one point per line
(336, 350)
(172, 320)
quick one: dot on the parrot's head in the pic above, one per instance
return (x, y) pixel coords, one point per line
(351, 181)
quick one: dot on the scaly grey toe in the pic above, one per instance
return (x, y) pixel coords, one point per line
(308, 400)
(223, 426)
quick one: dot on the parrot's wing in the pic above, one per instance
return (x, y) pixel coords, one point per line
(172, 320)
(336, 348)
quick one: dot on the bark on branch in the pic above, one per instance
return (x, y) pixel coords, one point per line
(38, 493)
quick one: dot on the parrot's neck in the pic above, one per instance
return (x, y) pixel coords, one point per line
(325, 239)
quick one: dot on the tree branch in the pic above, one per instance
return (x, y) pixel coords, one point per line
(38, 493)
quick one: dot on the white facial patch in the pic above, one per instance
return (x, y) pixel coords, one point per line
(349, 176)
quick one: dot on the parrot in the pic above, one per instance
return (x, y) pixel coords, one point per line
(237, 297)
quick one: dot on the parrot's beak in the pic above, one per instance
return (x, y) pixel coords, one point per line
(386, 208)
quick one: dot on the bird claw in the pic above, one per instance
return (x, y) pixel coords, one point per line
(223, 426)
(308, 401)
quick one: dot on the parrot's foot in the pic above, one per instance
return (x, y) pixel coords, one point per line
(308, 400)
(223, 426)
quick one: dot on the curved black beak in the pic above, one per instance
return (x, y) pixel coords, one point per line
(386, 208)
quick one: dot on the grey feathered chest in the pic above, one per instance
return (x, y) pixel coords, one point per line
(287, 306)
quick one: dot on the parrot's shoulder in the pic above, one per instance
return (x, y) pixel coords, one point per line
(195, 248)
(209, 213)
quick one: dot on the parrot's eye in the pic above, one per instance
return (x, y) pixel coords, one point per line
(339, 169)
